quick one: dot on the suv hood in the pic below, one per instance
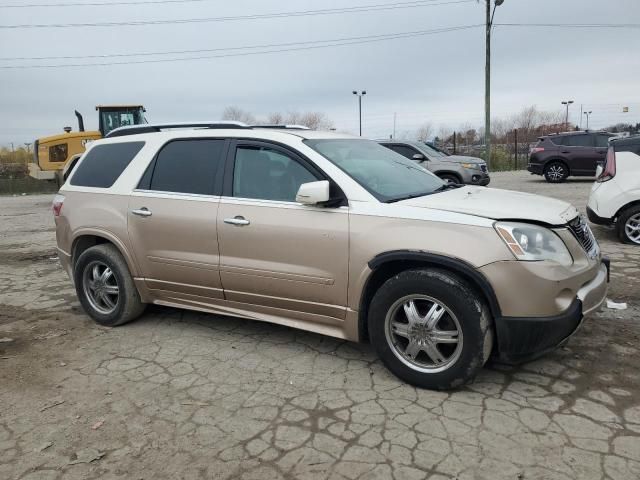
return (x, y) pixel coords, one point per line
(498, 205)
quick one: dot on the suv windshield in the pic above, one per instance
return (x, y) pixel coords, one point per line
(430, 151)
(385, 174)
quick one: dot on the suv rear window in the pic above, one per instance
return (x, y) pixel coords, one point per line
(186, 166)
(103, 164)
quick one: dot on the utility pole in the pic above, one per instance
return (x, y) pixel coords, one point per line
(363, 92)
(566, 118)
(487, 76)
(394, 125)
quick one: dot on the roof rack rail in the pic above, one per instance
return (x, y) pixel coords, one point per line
(224, 124)
(282, 126)
(158, 127)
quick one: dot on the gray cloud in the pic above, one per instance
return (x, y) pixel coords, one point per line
(437, 78)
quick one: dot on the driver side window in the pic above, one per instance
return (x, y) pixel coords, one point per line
(405, 151)
(268, 174)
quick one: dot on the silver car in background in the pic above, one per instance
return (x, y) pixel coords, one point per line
(451, 168)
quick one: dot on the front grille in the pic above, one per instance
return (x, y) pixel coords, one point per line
(583, 233)
(483, 167)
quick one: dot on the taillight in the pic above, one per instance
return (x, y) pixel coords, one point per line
(58, 200)
(609, 167)
(537, 149)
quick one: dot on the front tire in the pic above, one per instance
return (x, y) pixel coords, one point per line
(430, 328)
(105, 287)
(447, 177)
(628, 225)
(556, 172)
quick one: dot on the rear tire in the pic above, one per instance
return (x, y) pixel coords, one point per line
(105, 287)
(628, 225)
(430, 328)
(556, 172)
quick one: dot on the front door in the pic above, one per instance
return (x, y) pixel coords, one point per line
(275, 252)
(172, 219)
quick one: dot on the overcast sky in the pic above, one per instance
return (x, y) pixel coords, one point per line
(437, 78)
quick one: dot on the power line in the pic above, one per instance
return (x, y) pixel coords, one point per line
(571, 25)
(302, 13)
(247, 47)
(98, 4)
(294, 47)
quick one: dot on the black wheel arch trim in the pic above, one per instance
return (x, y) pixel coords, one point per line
(456, 265)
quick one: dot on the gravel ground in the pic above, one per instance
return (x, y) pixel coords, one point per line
(184, 395)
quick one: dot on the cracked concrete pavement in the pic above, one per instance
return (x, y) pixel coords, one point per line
(186, 395)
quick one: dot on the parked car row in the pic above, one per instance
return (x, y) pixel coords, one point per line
(328, 233)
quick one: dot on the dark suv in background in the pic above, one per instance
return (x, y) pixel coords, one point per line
(560, 155)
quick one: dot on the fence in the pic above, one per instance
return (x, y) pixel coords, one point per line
(510, 155)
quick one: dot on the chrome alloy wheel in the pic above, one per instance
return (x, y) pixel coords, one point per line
(423, 333)
(100, 287)
(632, 228)
(556, 172)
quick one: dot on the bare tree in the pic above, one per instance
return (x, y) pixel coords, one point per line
(236, 114)
(316, 121)
(312, 120)
(424, 132)
(275, 118)
(445, 134)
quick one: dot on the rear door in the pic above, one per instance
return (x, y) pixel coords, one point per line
(172, 218)
(602, 145)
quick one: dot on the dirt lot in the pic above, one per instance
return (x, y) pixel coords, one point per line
(187, 395)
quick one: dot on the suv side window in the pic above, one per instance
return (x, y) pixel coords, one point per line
(579, 141)
(602, 141)
(404, 150)
(185, 166)
(103, 164)
(268, 174)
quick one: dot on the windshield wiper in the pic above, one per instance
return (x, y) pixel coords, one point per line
(442, 188)
(407, 197)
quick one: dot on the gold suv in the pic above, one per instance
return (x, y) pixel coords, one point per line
(328, 233)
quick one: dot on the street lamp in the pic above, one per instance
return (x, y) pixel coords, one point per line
(487, 77)
(588, 114)
(363, 92)
(566, 118)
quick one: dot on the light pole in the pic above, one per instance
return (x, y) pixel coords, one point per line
(487, 77)
(588, 114)
(363, 92)
(566, 118)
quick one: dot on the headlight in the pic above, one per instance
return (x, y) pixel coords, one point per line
(533, 243)
(475, 166)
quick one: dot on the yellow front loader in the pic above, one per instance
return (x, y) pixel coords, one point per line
(54, 156)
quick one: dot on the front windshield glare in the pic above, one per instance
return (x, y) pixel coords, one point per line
(432, 152)
(387, 175)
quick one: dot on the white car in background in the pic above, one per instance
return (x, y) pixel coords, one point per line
(615, 196)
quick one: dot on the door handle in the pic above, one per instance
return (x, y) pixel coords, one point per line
(142, 212)
(238, 221)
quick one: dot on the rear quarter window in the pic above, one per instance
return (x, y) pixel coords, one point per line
(103, 164)
(556, 140)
